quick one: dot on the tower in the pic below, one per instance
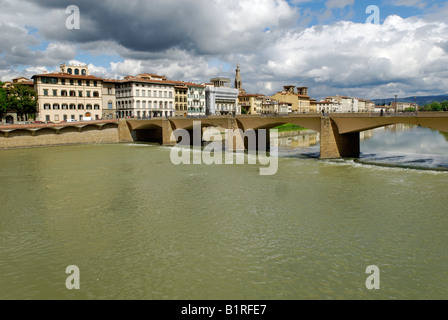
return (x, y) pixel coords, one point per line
(238, 81)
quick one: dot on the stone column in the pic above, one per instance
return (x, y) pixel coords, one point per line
(334, 145)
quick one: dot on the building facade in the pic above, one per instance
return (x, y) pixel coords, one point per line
(140, 97)
(196, 99)
(345, 104)
(250, 103)
(299, 99)
(181, 100)
(63, 96)
(221, 99)
(109, 105)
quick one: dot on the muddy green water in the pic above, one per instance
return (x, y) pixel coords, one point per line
(139, 227)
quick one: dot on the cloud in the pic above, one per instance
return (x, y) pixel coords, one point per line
(196, 40)
(202, 26)
(410, 3)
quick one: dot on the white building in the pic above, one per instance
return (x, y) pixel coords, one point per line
(143, 97)
(196, 99)
(221, 99)
(349, 104)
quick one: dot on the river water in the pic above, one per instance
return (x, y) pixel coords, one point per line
(139, 227)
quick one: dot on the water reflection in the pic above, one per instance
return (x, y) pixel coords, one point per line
(397, 145)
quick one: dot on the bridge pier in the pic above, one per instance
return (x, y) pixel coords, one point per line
(167, 134)
(124, 131)
(334, 145)
(235, 139)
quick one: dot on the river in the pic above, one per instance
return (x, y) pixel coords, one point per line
(139, 227)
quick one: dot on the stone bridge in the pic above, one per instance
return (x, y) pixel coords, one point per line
(339, 133)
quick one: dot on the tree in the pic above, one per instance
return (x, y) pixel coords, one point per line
(3, 101)
(435, 106)
(444, 105)
(22, 100)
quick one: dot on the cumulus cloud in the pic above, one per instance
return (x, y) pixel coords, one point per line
(198, 39)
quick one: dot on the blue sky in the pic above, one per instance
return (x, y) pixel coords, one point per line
(325, 44)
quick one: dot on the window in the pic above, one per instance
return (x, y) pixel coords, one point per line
(55, 93)
(96, 107)
(65, 107)
(56, 106)
(96, 94)
(63, 82)
(109, 91)
(72, 117)
(72, 106)
(83, 72)
(65, 117)
(171, 94)
(50, 80)
(80, 94)
(70, 71)
(47, 107)
(64, 93)
(72, 93)
(95, 83)
(88, 83)
(165, 94)
(45, 92)
(110, 105)
(143, 93)
(47, 118)
(138, 104)
(160, 94)
(56, 118)
(88, 94)
(79, 83)
(137, 93)
(80, 106)
(144, 104)
(76, 72)
(89, 107)
(72, 82)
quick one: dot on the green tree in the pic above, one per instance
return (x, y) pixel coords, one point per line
(22, 100)
(3, 101)
(435, 106)
(444, 105)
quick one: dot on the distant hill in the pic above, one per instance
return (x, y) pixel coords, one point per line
(421, 101)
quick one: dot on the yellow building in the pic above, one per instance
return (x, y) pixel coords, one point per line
(63, 96)
(299, 100)
(180, 100)
(251, 103)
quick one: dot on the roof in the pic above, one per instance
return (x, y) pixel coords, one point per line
(66, 76)
(291, 94)
(256, 95)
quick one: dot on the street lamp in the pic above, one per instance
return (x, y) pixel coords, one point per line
(396, 106)
(415, 105)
